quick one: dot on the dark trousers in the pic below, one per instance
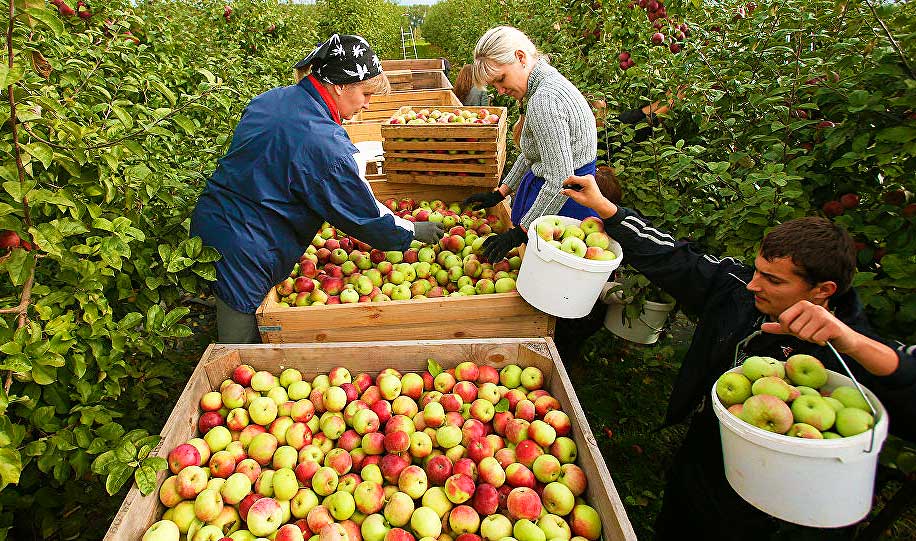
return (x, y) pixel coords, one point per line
(234, 327)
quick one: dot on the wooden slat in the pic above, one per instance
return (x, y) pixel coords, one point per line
(413, 64)
(364, 131)
(442, 156)
(601, 492)
(440, 144)
(449, 180)
(218, 361)
(490, 169)
(138, 512)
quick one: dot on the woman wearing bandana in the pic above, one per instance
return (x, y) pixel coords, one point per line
(289, 168)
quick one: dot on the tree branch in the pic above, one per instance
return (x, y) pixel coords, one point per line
(890, 37)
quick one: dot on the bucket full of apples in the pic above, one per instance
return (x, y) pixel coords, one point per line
(800, 442)
(570, 261)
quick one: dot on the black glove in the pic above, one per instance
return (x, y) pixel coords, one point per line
(483, 200)
(496, 247)
(428, 232)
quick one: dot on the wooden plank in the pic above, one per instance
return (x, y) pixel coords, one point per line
(413, 64)
(397, 145)
(137, 513)
(363, 131)
(442, 156)
(601, 491)
(392, 166)
(449, 180)
(467, 327)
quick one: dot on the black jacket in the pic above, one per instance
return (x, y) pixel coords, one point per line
(698, 497)
(714, 289)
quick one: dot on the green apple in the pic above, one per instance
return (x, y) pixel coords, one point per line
(511, 376)
(773, 386)
(733, 388)
(813, 410)
(806, 370)
(806, 431)
(425, 522)
(554, 527)
(852, 420)
(495, 528)
(525, 530)
(767, 412)
(757, 367)
(164, 530)
(341, 505)
(850, 397)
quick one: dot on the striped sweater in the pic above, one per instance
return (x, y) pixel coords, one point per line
(558, 137)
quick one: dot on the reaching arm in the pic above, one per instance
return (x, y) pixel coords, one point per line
(672, 265)
(343, 199)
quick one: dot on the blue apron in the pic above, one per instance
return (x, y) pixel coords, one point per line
(530, 187)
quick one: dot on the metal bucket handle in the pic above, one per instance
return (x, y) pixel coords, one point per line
(874, 412)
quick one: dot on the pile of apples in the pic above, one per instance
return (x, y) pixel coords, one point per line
(465, 454)
(587, 239)
(789, 398)
(338, 269)
(456, 116)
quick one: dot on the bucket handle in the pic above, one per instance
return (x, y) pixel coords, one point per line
(874, 412)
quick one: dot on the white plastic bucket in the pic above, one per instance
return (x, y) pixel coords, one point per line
(559, 283)
(643, 330)
(817, 483)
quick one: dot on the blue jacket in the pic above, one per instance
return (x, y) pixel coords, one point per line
(289, 168)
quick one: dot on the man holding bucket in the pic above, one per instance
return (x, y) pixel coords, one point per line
(796, 299)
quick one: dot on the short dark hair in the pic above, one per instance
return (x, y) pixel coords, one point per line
(822, 250)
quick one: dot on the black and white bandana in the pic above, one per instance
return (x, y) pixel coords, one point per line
(342, 60)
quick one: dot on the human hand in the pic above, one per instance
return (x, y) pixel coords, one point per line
(484, 200)
(428, 232)
(588, 194)
(496, 247)
(813, 323)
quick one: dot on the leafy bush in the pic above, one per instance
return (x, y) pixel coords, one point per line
(788, 106)
(379, 21)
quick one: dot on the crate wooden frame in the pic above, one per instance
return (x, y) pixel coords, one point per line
(473, 163)
(138, 512)
(418, 64)
(479, 316)
(382, 106)
(406, 80)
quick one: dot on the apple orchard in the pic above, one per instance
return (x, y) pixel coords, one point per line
(115, 113)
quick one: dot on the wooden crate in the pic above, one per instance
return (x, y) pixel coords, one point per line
(138, 512)
(418, 80)
(468, 154)
(479, 316)
(382, 107)
(363, 130)
(422, 64)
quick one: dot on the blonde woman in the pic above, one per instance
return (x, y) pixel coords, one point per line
(558, 136)
(289, 168)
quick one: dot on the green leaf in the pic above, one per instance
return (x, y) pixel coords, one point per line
(154, 318)
(174, 316)
(48, 18)
(502, 406)
(162, 89)
(104, 462)
(119, 475)
(40, 151)
(434, 368)
(157, 463)
(145, 476)
(126, 451)
(19, 266)
(123, 116)
(185, 123)
(10, 467)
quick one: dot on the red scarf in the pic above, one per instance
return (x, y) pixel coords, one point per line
(323, 92)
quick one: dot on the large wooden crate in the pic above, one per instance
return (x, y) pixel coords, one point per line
(138, 512)
(479, 316)
(469, 154)
(414, 64)
(403, 80)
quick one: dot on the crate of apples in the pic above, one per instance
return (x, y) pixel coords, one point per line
(469, 453)
(339, 269)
